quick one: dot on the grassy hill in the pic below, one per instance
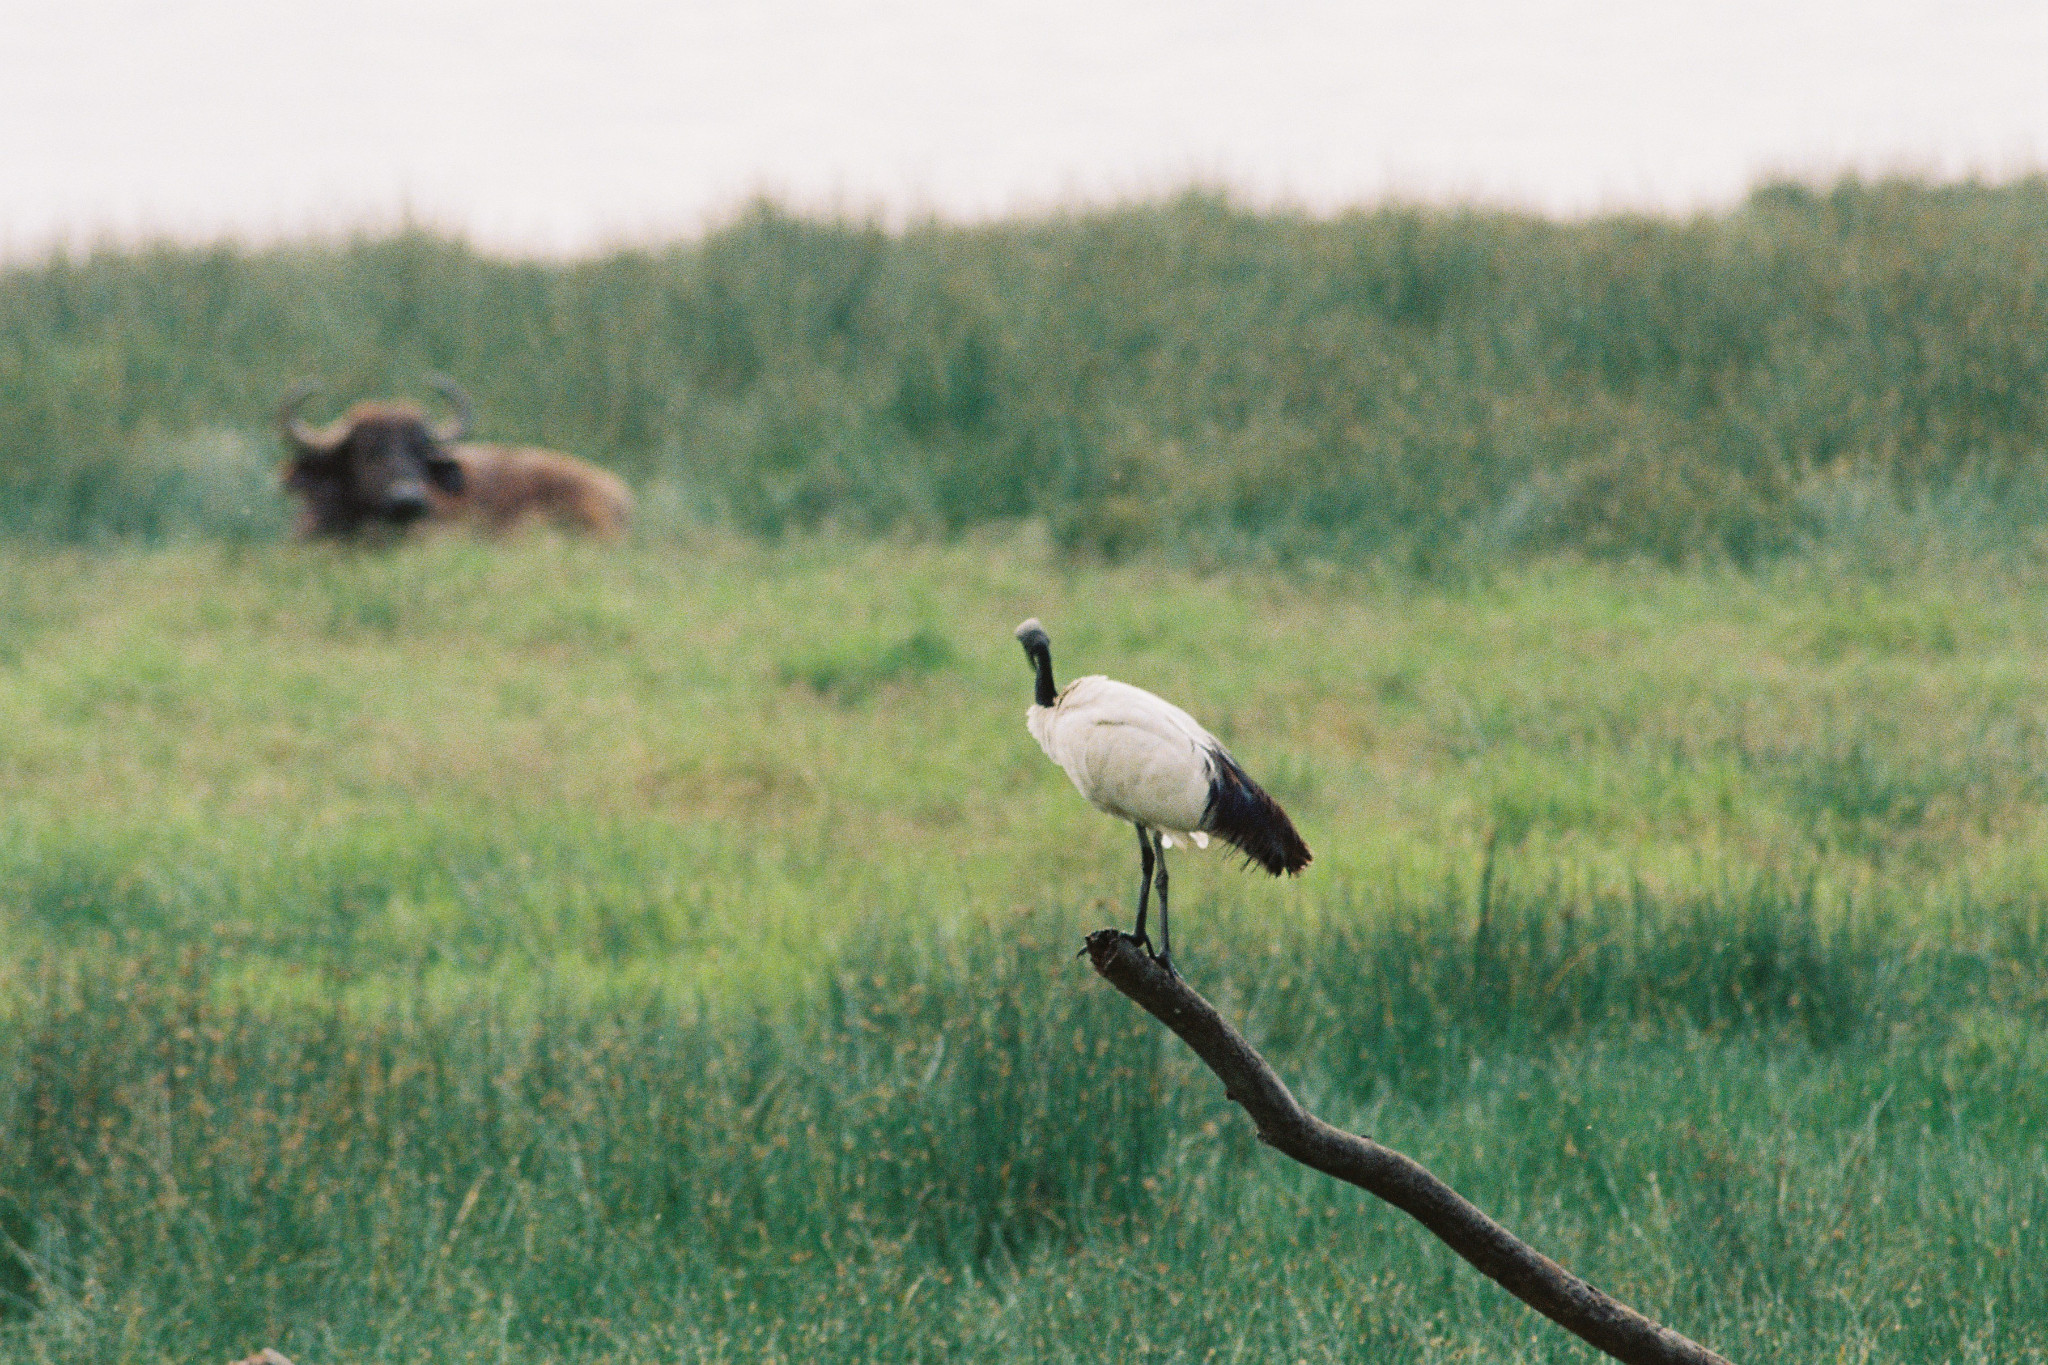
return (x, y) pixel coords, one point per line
(1187, 377)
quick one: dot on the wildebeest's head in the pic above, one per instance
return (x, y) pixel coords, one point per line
(378, 468)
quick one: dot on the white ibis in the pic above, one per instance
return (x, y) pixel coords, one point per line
(1143, 759)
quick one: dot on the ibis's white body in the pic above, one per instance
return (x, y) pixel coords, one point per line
(1134, 755)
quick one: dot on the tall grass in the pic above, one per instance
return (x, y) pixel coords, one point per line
(1186, 376)
(1776, 1133)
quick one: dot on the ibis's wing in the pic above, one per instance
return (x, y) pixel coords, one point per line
(1141, 757)
(1135, 755)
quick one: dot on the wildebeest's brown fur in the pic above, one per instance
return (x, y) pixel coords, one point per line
(384, 467)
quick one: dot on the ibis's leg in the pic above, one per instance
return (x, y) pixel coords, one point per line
(1165, 929)
(1144, 885)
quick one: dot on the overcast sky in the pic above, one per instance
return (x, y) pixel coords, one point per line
(564, 127)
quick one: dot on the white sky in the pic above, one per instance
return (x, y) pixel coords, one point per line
(551, 128)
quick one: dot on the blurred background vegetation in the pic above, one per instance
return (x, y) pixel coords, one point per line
(1187, 375)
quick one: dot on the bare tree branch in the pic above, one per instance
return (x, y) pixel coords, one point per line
(1535, 1279)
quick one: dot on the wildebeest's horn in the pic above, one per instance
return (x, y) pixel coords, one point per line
(465, 415)
(289, 421)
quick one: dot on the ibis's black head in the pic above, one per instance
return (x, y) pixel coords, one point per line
(1038, 648)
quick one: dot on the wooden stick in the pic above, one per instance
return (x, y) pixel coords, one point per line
(1535, 1279)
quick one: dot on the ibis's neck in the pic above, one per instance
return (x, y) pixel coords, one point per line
(1041, 659)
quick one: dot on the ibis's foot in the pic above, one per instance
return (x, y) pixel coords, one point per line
(1166, 960)
(1141, 941)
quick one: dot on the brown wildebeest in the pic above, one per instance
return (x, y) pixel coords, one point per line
(384, 467)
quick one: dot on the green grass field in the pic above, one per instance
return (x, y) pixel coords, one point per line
(544, 952)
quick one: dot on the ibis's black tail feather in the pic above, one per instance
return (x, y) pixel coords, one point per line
(1240, 813)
